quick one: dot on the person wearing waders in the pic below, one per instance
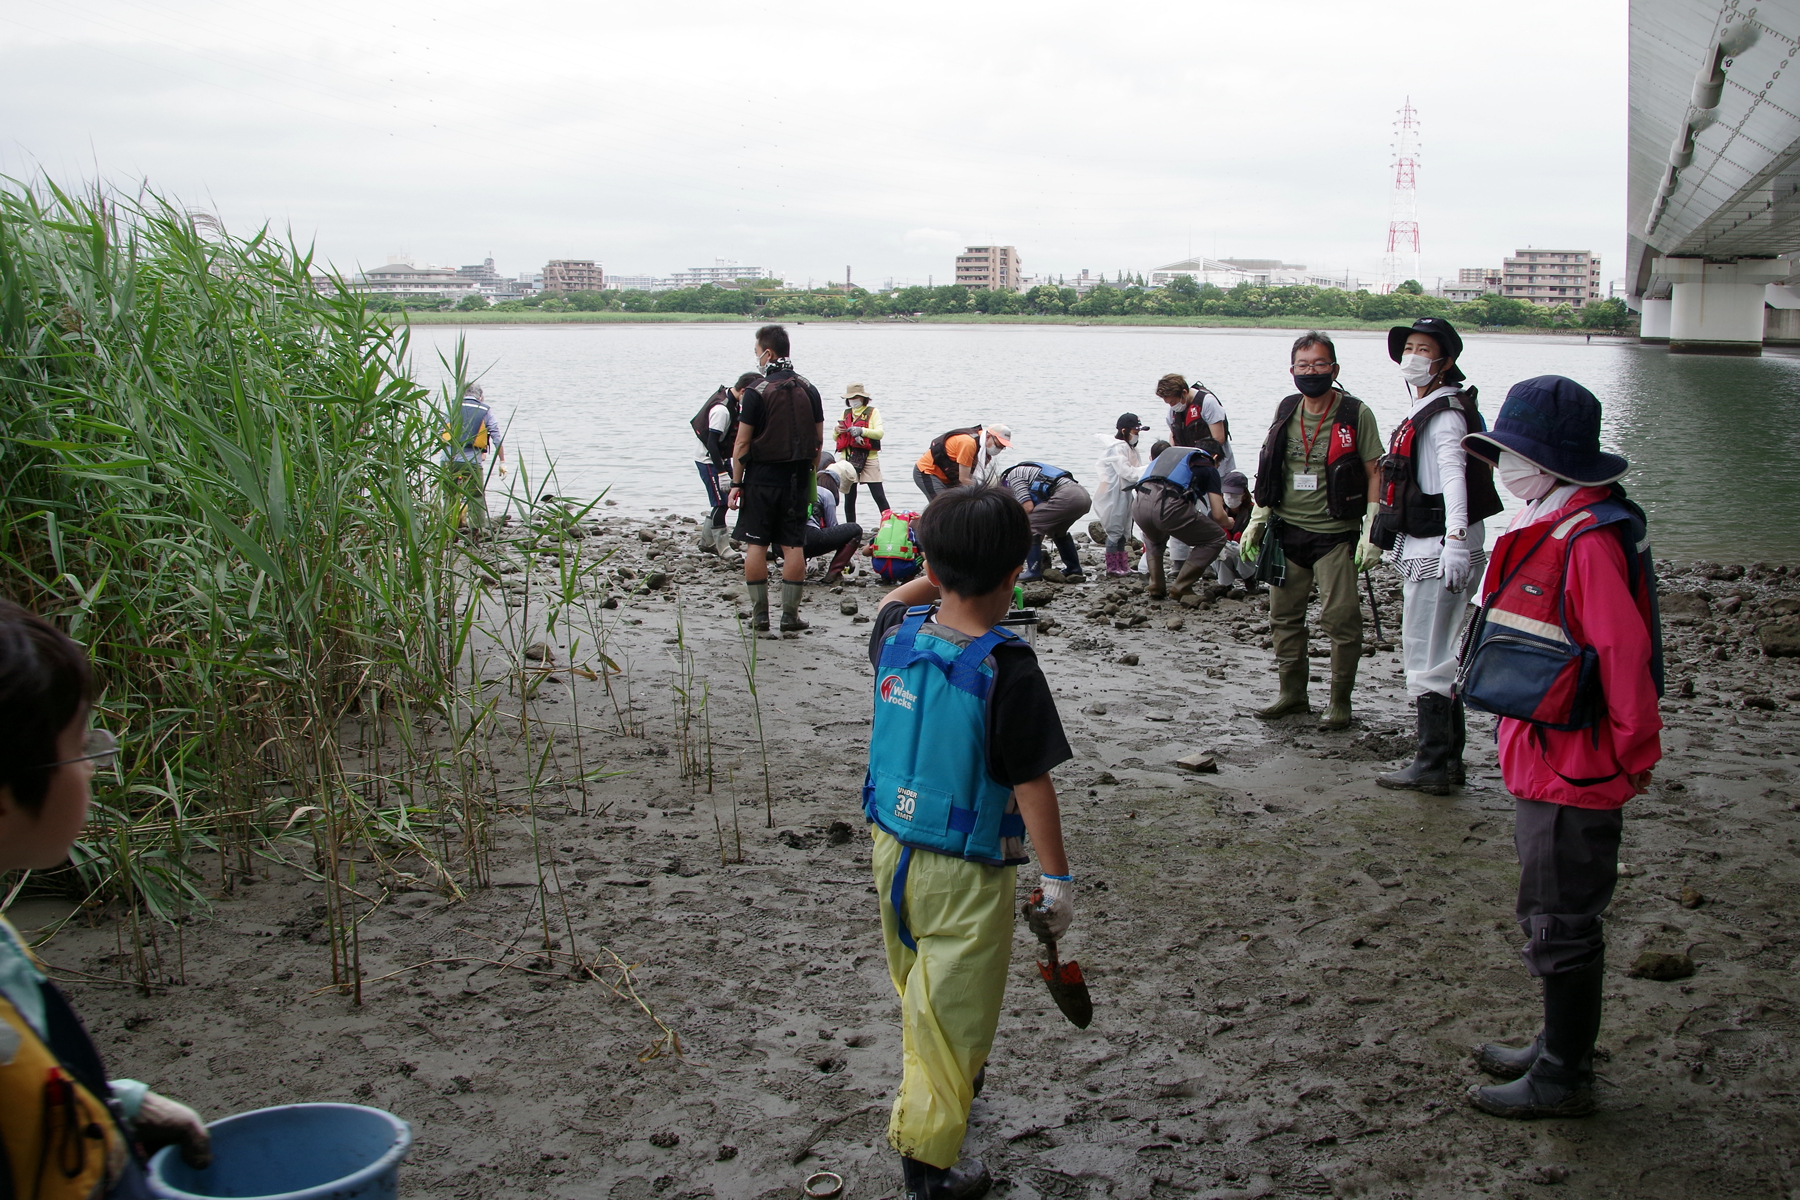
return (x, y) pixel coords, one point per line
(1054, 500)
(1179, 497)
(471, 436)
(67, 1132)
(716, 427)
(1568, 650)
(965, 735)
(1434, 497)
(781, 426)
(1120, 466)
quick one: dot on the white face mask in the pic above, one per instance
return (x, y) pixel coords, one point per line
(1523, 479)
(1417, 370)
(1132, 439)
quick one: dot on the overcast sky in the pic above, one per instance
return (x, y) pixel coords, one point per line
(810, 136)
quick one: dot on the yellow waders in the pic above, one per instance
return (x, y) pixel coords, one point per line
(960, 916)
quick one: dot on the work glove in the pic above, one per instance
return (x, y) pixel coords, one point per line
(1367, 552)
(1453, 564)
(1250, 544)
(164, 1122)
(1052, 916)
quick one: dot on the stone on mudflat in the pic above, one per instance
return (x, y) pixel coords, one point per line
(1779, 641)
(1661, 966)
(1200, 761)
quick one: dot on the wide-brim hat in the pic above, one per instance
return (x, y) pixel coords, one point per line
(1001, 433)
(1552, 423)
(1436, 328)
(856, 391)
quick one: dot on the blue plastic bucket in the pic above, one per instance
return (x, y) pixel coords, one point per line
(293, 1152)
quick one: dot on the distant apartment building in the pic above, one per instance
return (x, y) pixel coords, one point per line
(574, 275)
(1552, 277)
(988, 268)
(400, 276)
(723, 271)
(1472, 282)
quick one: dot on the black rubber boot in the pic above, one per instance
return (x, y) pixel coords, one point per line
(964, 1181)
(1034, 562)
(1429, 770)
(1560, 1082)
(1505, 1062)
(1459, 738)
(1071, 559)
(980, 1080)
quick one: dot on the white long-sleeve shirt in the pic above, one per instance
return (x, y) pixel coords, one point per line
(1439, 466)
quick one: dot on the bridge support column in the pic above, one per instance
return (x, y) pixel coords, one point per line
(1653, 322)
(1717, 308)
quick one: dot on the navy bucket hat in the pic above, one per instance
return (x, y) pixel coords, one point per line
(1554, 424)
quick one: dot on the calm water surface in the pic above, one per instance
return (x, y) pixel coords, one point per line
(1714, 443)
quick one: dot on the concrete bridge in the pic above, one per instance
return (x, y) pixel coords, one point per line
(1713, 201)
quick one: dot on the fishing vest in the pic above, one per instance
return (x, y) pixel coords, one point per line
(59, 1140)
(702, 422)
(855, 425)
(895, 555)
(940, 455)
(786, 432)
(1044, 485)
(1189, 425)
(1178, 473)
(1408, 509)
(1346, 478)
(473, 434)
(928, 784)
(1518, 658)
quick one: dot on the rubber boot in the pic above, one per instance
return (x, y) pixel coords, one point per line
(759, 605)
(1429, 770)
(1158, 586)
(1343, 682)
(1459, 737)
(1071, 560)
(1186, 578)
(1505, 1062)
(790, 607)
(980, 1080)
(1034, 562)
(840, 560)
(1293, 692)
(709, 543)
(1115, 563)
(964, 1181)
(1560, 1081)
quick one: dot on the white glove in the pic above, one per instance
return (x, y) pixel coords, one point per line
(1056, 912)
(164, 1122)
(1453, 564)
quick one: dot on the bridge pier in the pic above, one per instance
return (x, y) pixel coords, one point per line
(1653, 322)
(1717, 308)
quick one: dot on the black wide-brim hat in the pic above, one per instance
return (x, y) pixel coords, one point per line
(1434, 327)
(1554, 424)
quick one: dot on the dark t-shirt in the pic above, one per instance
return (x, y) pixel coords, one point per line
(752, 412)
(1024, 733)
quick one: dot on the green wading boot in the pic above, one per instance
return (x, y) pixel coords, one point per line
(790, 608)
(759, 605)
(1293, 693)
(1343, 682)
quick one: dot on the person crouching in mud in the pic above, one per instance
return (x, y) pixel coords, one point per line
(1571, 584)
(964, 724)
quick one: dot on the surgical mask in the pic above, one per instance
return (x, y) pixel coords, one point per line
(1133, 439)
(1313, 385)
(1417, 370)
(1523, 479)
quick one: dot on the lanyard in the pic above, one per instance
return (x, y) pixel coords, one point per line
(1307, 443)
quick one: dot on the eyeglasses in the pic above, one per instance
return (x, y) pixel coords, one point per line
(1311, 368)
(99, 747)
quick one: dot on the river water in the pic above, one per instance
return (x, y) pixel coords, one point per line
(1714, 443)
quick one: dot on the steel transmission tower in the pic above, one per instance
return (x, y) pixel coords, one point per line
(1402, 261)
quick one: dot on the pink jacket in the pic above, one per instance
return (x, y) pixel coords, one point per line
(1602, 614)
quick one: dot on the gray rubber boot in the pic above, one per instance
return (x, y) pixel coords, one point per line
(759, 605)
(790, 607)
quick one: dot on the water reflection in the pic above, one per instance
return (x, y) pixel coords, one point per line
(1712, 441)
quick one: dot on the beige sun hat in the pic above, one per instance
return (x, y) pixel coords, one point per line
(856, 391)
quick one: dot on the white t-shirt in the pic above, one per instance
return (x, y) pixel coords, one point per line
(719, 420)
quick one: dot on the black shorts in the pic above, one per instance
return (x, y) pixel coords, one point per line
(774, 506)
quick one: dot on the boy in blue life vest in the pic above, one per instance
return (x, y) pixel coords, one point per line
(965, 734)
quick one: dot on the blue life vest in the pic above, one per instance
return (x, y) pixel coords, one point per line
(928, 784)
(1040, 488)
(1180, 476)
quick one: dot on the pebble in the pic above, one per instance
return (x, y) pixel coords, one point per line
(1128, 660)
(1174, 623)
(656, 580)
(1692, 897)
(539, 652)
(848, 608)
(1199, 761)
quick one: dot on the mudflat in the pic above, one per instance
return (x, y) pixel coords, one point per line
(1288, 964)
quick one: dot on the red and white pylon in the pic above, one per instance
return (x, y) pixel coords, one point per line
(1402, 261)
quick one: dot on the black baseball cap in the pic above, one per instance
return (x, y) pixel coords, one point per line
(1130, 421)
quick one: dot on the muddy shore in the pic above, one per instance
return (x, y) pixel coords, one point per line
(1288, 964)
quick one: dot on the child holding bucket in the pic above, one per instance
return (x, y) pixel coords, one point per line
(68, 1131)
(965, 735)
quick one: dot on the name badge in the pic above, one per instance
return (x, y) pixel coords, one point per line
(1305, 483)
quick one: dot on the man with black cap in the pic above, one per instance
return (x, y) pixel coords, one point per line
(1569, 653)
(1434, 498)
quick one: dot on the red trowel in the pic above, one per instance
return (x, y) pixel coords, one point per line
(1067, 987)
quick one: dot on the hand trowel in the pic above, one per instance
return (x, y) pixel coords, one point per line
(1067, 987)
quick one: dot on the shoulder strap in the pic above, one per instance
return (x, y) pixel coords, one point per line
(965, 672)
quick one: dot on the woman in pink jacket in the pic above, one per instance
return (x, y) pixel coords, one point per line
(1570, 650)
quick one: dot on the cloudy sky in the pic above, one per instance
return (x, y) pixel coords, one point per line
(811, 136)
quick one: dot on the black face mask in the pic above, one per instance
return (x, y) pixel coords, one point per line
(1313, 385)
